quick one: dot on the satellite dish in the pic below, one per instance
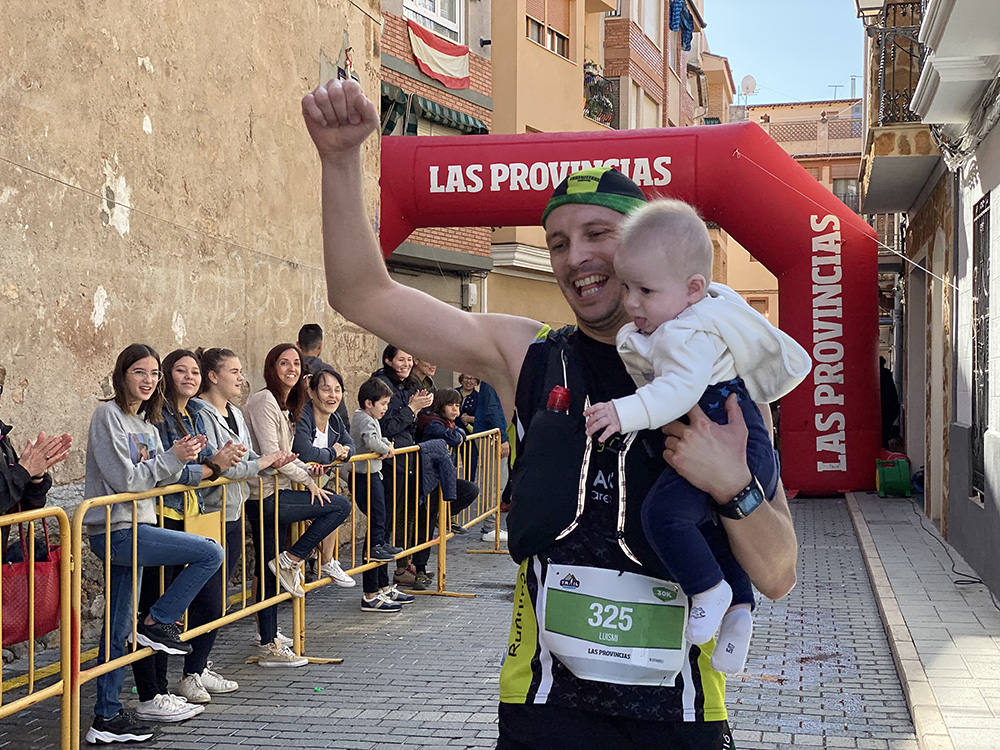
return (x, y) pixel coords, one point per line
(748, 85)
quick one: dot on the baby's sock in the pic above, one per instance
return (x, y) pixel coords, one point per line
(707, 609)
(733, 643)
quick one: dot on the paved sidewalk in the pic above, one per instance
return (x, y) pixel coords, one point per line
(820, 672)
(945, 637)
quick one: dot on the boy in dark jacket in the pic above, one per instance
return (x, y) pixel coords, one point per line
(438, 422)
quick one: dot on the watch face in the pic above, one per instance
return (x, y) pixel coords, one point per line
(744, 503)
(751, 500)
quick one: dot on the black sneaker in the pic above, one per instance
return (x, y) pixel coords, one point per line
(457, 528)
(162, 636)
(124, 726)
(424, 580)
(384, 553)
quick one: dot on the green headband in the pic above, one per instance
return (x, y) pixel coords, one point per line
(598, 186)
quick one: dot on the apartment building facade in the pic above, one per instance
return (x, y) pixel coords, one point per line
(932, 164)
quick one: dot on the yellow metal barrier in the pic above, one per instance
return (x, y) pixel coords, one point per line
(80, 676)
(408, 525)
(69, 627)
(486, 466)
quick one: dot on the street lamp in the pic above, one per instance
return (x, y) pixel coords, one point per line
(869, 10)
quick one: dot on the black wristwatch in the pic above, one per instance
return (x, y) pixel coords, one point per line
(745, 502)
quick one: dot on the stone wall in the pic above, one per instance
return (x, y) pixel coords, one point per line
(157, 185)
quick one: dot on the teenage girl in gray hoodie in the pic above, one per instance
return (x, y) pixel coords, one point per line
(124, 454)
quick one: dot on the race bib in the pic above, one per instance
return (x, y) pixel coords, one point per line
(607, 626)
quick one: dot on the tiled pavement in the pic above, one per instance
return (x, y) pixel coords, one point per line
(820, 673)
(946, 637)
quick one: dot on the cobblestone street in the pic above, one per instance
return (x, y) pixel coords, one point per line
(820, 673)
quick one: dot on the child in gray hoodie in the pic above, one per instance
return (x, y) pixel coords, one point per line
(369, 494)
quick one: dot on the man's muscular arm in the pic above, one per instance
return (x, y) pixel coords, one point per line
(339, 118)
(713, 458)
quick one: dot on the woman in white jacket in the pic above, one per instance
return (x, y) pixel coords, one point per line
(271, 412)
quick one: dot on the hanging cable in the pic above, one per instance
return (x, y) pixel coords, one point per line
(740, 155)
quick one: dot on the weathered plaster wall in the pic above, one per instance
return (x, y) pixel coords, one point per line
(189, 114)
(930, 231)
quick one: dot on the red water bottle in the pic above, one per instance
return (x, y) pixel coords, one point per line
(558, 399)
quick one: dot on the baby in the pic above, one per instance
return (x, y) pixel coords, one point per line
(691, 343)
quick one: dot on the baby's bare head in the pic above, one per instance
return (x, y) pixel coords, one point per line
(673, 229)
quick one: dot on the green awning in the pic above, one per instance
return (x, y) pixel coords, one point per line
(393, 106)
(446, 116)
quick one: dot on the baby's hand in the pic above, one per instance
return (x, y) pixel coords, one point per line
(603, 415)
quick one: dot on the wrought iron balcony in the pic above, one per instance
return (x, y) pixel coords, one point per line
(850, 200)
(600, 98)
(899, 56)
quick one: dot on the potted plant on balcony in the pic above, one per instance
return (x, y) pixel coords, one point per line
(599, 107)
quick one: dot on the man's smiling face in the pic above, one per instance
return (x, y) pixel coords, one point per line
(582, 240)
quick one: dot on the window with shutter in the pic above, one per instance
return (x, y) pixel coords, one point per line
(557, 16)
(548, 23)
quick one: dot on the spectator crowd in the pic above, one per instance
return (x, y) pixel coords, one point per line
(176, 421)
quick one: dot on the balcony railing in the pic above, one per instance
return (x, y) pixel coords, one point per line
(805, 130)
(600, 98)
(850, 200)
(846, 129)
(900, 57)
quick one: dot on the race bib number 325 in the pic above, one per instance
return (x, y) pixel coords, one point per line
(614, 627)
(614, 622)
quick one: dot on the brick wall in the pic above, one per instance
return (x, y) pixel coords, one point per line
(628, 51)
(396, 42)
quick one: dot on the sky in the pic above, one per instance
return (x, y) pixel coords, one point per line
(794, 48)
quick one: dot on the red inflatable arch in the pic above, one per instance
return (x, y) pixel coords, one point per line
(822, 253)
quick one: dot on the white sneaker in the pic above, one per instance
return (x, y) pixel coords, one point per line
(192, 689)
(215, 683)
(290, 574)
(281, 637)
(168, 708)
(276, 654)
(332, 568)
(491, 536)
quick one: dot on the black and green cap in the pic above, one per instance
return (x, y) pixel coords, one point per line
(598, 186)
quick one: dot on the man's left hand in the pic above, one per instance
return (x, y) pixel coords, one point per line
(712, 457)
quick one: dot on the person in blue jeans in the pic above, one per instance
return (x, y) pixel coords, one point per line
(691, 342)
(182, 416)
(125, 454)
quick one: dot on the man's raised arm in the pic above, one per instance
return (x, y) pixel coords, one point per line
(339, 117)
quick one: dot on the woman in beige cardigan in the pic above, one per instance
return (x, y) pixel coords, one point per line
(270, 414)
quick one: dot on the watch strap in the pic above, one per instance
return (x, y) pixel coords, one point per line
(746, 501)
